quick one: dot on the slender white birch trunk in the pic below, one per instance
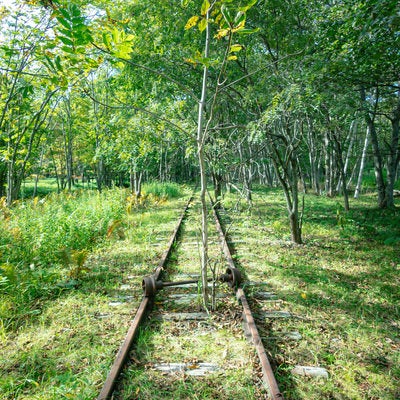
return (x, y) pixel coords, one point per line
(203, 177)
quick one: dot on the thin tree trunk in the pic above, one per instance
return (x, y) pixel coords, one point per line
(328, 166)
(10, 183)
(393, 159)
(217, 182)
(138, 183)
(342, 173)
(3, 179)
(99, 168)
(246, 176)
(295, 220)
(69, 159)
(378, 162)
(38, 173)
(353, 131)
(287, 173)
(160, 165)
(166, 165)
(362, 164)
(203, 177)
(313, 157)
(343, 178)
(353, 172)
(378, 165)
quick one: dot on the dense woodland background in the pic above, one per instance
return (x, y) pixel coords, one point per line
(302, 94)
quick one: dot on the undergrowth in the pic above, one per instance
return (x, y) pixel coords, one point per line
(65, 263)
(44, 245)
(168, 190)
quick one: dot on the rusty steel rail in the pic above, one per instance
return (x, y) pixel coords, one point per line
(144, 307)
(268, 375)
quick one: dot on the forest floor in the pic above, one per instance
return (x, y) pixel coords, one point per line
(339, 294)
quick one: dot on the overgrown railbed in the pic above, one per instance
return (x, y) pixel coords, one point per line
(341, 288)
(181, 351)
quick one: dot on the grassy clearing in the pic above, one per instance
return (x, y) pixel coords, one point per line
(341, 287)
(48, 186)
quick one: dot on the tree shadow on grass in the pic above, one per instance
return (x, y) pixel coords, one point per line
(366, 304)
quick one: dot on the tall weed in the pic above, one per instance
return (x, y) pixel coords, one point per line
(168, 190)
(39, 230)
(39, 239)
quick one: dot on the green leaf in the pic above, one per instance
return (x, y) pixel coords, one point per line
(49, 62)
(26, 90)
(65, 32)
(82, 37)
(64, 13)
(57, 61)
(66, 41)
(106, 40)
(226, 14)
(202, 24)
(240, 17)
(205, 7)
(246, 31)
(80, 50)
(78, 21)
(116, 35)
(119, 64)
(68, 49)
(76, 12)
(64, 23)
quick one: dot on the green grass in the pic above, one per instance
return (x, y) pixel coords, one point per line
(341, 286)
(168, 190)
(59, 336)
(152, 386)
(47, 186)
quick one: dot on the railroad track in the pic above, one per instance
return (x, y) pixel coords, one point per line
(229, 283)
